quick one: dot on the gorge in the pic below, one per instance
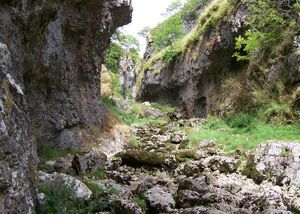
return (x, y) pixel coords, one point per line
(206, 122)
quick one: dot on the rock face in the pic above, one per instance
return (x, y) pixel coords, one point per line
(50, 57)
(17, 193)
(128, 75)
(190, 83)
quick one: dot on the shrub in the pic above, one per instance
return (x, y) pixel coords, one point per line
(112, 58)
(167, 32)
(266, 23)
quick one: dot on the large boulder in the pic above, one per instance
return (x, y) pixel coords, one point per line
(277, 161)
(80, 190)
(221, 163)
(198, 185)
(143, 158)
(88, 162)
(159, 201)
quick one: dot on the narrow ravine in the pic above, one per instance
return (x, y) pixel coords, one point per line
(164, 172)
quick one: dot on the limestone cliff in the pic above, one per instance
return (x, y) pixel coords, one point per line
(190, 79)
(50, 57)
(205, 78)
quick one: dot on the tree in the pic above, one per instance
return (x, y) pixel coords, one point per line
(122, 45)
(144, 32)
(167, 32)
(172, 8)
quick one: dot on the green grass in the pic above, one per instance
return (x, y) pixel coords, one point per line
(140, 200)
(100, 174)
(95, 188)
(132, 116)
(241, 132)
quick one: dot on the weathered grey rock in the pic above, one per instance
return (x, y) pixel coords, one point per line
(128, 75)
(147, 183)
(278, 161)
(64, 165)
(179, 137)
(140, 158)
(17, 153)
(79, 188)
(192, 84)
(152, 113)
(221, 163)
(198, 210)
(193, 168)
(88, 162)
(126, 207)
(188, 198)
(199, 185)
(118, 191)
(158, 200)
(206, 144)
(49, 82)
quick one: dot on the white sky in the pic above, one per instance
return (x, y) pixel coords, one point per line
(146, 13)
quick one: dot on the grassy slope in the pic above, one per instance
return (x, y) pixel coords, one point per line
(244, 134)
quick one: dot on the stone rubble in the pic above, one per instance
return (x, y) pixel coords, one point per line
(171, 178)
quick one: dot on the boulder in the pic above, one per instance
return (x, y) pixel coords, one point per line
(88, 162)
(179, 137)
(221, 163)
(193, 168)
(152, 113)
(198, 185)
(145, 185)
(126, 207)
(206, 144)
(277, 161)
(142, 158)
(80, 190)
(188, 198)
(159, 201)
(64, 165)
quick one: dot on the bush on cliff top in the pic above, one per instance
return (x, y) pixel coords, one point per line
(271, 23)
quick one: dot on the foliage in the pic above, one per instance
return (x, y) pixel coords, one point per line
(144, 32)
(60, 199)
(241, 121)
(189, 11)
(116, 86)
(95, 188)
(228, 134)
(172, 8)
(167, 32)
(267, 23)
(113, 56)
(208, 20)
(122, 45)
(140, 200)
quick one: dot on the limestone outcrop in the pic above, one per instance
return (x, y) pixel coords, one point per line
(50, 61)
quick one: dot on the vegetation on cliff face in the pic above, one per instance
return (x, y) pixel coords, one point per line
(122, 45)
(167, 49)
(271, 28)
(265, 83)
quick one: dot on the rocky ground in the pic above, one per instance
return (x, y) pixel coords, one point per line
(164, 175)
